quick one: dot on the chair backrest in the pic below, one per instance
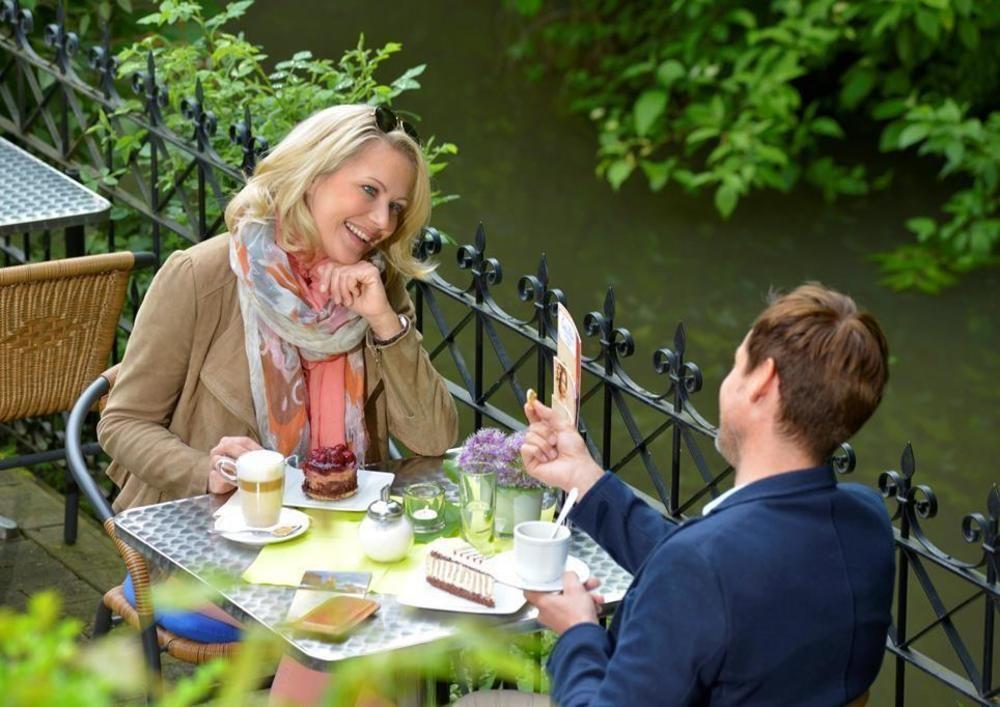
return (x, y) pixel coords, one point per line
(57, 325)
(75, 461)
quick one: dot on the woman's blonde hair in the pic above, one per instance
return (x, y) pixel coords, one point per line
(317, 146)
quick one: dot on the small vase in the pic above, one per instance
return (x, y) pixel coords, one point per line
(516, 505)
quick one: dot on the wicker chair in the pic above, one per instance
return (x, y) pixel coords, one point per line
(58, 326)
(154, 638)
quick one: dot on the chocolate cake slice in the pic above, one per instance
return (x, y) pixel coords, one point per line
(456, 567)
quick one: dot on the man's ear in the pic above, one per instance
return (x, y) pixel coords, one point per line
(763, 380)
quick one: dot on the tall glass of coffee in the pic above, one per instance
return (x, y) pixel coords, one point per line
(260, 476)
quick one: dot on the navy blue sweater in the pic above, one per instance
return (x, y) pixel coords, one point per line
(780, 596)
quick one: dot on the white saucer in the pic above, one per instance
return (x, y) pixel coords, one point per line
(289, 516)
(420, 594)
(370, 485)
(502, 569)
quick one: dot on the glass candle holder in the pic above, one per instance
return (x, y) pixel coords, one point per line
(424, 506)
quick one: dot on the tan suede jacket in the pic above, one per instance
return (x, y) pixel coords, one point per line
(184, 384)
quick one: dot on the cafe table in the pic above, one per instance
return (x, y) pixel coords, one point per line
(175, 536)
(34, 196)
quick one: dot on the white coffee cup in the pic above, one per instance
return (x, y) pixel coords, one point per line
(260, 476)
(538, 557)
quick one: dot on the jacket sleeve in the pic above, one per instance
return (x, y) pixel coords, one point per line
(671, 643)
(134, 427)
(627, 527)
(421, 411)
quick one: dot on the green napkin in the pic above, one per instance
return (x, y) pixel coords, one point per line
(330, 544)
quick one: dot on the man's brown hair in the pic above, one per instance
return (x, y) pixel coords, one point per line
(832, 364)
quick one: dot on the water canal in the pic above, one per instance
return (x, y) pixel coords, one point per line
(526, 170)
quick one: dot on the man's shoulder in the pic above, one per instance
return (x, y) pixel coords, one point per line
(867, 497)
(717, 533)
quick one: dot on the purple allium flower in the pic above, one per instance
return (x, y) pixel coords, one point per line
(490, 449)
(485, 450)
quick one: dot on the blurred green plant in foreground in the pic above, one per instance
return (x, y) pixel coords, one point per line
(732, 97)
(45, 662)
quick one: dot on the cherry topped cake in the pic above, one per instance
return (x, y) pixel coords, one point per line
(331, 473)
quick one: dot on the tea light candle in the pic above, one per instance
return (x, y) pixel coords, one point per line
(424, 503)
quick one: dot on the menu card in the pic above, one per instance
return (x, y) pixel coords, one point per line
(566, 367)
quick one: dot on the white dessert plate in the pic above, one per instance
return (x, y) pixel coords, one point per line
(502, 568)
(288, 517)
(418, 593)
(370, 485)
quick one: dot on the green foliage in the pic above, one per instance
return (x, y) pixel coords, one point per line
(45, 663)
(88, 19)
(731, 97)
(189, 47)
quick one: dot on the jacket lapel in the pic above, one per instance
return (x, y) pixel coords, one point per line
(226, 373)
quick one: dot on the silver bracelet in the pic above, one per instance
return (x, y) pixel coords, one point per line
(404, 322)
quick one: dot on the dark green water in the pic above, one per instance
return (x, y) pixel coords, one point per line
(526, 170)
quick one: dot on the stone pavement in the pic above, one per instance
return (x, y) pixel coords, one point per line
(37, 559)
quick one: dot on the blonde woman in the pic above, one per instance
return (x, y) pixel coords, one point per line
(292, 332)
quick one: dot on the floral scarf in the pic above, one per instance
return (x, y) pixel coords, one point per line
(282, 329)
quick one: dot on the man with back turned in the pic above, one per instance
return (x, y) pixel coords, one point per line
(780, 593)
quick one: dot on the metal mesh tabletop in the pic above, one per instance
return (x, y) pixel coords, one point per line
(175, 535)
(35, 196)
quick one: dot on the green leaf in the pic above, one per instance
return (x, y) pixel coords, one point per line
(827, 126)
(887, 110)
(618, 172)
(772, 154)
(701, 134)
(407, 81)
(912, 134)
(955, 151)
(726, 197)
(858, 85)
(968, 34)
(648, 108)
(927, 23)
(669, 71)
(742, 17)
(922, 227)
(657, 172)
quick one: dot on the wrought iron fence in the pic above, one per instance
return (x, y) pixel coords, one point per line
(179, 185)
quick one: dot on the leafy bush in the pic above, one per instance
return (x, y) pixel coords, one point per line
(191, 49)
(42, 662)
(732, 97)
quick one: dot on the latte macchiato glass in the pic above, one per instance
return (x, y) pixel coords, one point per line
(260, 476)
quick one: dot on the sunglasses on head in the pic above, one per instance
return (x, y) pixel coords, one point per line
(387, 121)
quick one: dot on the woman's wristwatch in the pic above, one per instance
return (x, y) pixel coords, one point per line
(404, 323)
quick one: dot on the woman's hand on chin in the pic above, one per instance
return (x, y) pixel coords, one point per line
(359, 288)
